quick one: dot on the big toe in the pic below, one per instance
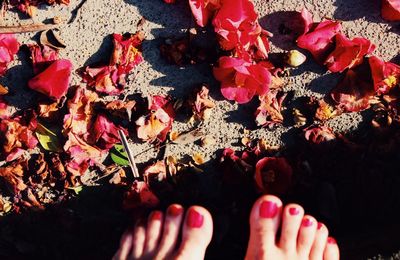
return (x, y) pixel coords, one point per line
(196, 234)
(265, 219)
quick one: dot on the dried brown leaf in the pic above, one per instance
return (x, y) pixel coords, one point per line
(188, 137)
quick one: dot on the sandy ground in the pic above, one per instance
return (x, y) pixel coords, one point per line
(87, 39)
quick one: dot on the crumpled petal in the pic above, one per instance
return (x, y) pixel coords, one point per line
(385, 75)
(203, 10)
(53, 81)
(42, 57)
(319, 40)
(273, 175)
(104, 133)
(241, 80)
(348, 53)
(156, 125)
(140, 195)
(110, 79)
(9, 46)
(353, 93)
(202, 104)
(16, 135)
(390, 10)
(319, 134)
(269, 112)
(5, 111)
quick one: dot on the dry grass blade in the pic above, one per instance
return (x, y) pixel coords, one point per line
(27, 28)
(131, 159)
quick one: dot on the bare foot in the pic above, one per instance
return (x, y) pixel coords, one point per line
(159, 238)
(301, 236)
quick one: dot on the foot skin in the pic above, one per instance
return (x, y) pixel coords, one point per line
(158, 239)
(301, 236)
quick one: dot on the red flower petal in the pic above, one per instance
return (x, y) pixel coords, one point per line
(348, 53)
(54, 81)
(353, 93)
(42, 57)
(319, 40)
(273, 175)
(104, 133)
(9, 46)
(390, 10)
(202, 10)
(241, 80)
(4, 109)
(385, 74)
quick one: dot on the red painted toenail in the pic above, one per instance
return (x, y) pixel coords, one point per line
(320, 225)
(194, 219)
(307, 222)
(175, 210)
(331, 240)
(156, 215)
(294, 211)
(268, 209)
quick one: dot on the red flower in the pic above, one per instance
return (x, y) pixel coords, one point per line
(203, 10)
(391, 10)
(273, 175)
(241, 80)
(269, 112)
(319, 40)
(354, 93)
(54, 81)
(8, 48)
(140, 195)
(237, 28)
(319, 134)
(385, 74)
(156, 125)
(348, 53)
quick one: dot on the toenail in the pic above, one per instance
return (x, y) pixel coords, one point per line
(174, 210)
(331, 240)
(294, 211)
(194, 219)
(320, 225)
(307, 222)
(268, 209)
(156, 215)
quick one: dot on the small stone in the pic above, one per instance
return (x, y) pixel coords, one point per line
(295, 58)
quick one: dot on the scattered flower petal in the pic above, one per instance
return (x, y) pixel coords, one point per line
(385, 75)
(273, 175)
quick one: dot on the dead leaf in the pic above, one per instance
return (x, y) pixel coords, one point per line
(52, 39)
(188, 137)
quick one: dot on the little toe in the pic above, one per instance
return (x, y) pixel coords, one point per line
(331, 251)
(317, 250)
(196, 234)
(153, 234)
(138, 240)
(171, 229)
(306, 236)
(264, 223)
(292, 216)
(125, 246)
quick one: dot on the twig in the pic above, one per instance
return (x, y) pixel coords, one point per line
(129, 153)
(27, 28)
